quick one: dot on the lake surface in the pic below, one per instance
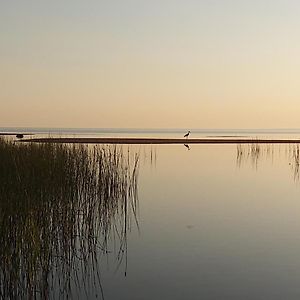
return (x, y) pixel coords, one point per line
(214, 226)
(212, 222)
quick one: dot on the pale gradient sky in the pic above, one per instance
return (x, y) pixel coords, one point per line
(147, 64)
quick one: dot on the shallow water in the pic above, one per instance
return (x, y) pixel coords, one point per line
(214, 226)
(213, 222)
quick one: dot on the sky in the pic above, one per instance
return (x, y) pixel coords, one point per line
(150, 64)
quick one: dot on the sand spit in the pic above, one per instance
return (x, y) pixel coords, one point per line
(14, 133)
(118, 140)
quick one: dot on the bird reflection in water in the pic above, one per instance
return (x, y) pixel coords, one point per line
(187, 146)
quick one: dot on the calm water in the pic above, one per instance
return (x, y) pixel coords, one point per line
(213, 222)
(214, 226)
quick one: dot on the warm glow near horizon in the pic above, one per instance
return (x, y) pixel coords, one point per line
(150, 64)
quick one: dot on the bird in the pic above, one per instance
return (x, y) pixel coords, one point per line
(187, 134)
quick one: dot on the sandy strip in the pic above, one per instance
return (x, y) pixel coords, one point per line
(14, 133)
(113, 140)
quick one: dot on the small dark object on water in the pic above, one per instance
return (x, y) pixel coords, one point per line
(19, 135)
(187, 134)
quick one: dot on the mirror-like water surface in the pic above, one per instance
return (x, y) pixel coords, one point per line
(212, 222)
(215, 225)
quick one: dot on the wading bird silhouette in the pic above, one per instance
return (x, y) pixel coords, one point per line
(187, 134)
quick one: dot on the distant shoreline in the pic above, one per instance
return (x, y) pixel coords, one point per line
(14, 133)
(120, 140)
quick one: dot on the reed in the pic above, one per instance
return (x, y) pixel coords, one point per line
(254, 152)
(62, 207)
(294, 156)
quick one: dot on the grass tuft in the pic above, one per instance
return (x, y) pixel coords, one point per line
(61, 209)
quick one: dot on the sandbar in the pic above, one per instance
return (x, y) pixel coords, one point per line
(126, 140)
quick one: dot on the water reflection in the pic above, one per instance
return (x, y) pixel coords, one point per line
(62, 210)
(148, 154)
(187, 146)
(295, 160)
(253, 153)
(66, 211)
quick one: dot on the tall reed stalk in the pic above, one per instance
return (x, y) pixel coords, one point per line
(62, 208)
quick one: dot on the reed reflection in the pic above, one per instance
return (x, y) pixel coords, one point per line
(148, 155)
(253, 153)
(294, 155)
(62, 208)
